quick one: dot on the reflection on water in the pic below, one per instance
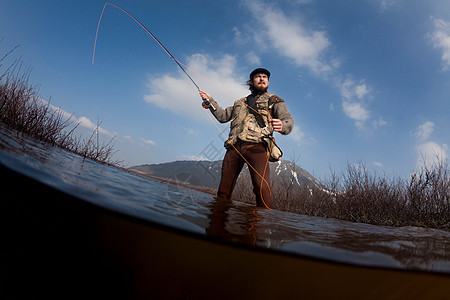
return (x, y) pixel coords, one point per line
(408, 247)
(240, 224)
(199, 213)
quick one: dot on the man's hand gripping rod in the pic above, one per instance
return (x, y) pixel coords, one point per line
(206, 103)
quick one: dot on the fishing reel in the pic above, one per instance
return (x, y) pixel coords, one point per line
(207, 105)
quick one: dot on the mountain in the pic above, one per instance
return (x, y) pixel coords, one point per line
(208, 173)
(199, 173)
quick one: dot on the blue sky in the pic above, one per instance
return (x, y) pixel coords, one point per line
(365, 80)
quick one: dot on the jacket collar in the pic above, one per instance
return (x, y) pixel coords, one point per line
(258, 93)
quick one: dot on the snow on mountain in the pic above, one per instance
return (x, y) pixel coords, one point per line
(207, 173)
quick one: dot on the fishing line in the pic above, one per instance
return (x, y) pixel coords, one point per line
(148, 31)
(249, 164)
(165, 50)
(163, 47)
(193, 82)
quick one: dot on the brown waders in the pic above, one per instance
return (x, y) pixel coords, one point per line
(256, 156)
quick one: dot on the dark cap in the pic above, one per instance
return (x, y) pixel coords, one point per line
(259, 70)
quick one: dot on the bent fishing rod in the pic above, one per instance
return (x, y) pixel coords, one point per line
(207, 104)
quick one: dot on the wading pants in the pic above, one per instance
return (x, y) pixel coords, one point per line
(256, 156)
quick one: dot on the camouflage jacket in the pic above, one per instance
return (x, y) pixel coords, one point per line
(244, 125)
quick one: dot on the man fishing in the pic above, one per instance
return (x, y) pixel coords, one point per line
(253, 119)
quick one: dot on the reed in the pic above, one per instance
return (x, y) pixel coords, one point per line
(360, 195)
(23, 110)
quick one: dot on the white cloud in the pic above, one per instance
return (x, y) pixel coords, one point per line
(378, 164)
(241, 37)
(147, 142)
(307, 47)
(237, 35)
(431, 153)
(331, 106)
(356, 112)
(64, 114)
(82, 121)
(351, 90)
(296, 134)
(386, 4)
(353, 95)
(441, 39)
(253, 58)
(361, 91)
(424, 131)
(193, 132)
(87, 123)
(379, 123)
(289, 37)
(302, 1)
(177, 94)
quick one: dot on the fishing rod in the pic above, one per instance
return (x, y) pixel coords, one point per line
(207, 104)
(149, 32)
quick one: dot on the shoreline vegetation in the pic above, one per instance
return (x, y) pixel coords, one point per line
(356, 194)
(23, 110)
(360, 195)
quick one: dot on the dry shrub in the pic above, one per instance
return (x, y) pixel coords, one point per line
(243, 190)
(368, 197)
(428, 195)
(360, 195)
(23, 110)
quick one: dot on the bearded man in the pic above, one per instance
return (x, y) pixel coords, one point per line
(253, 118)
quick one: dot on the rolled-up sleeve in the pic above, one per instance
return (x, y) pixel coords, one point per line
(222, 115)
(281, 112)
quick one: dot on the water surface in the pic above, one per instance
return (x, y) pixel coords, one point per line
(199, 213)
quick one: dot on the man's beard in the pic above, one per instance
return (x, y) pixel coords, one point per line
(258, 90)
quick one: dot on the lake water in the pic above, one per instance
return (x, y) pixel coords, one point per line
(199, 213)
